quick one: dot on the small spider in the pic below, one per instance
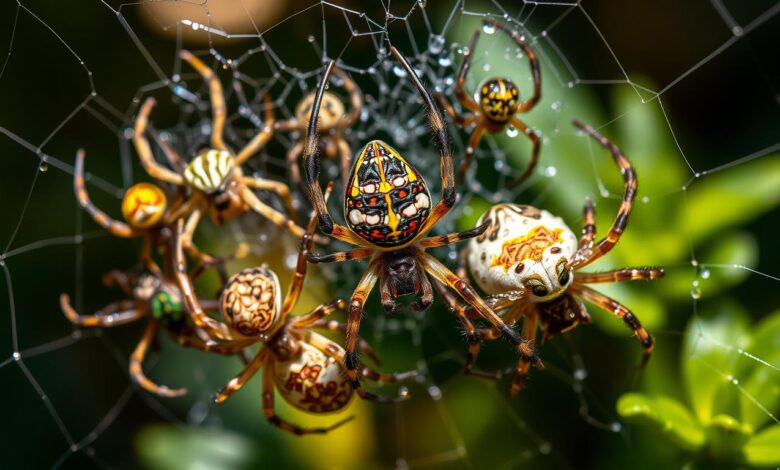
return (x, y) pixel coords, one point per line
(303, 365)
(158, 299)
(388, 212)
(499, 101)
(214, 177)
(528, 261)
(332, 119)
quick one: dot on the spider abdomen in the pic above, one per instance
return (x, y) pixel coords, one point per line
(499, 99)
(387, 200)
(311, 381)
(251, 301)
(523, 248)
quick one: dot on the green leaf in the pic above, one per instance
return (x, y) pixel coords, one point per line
(731, 198)
(178, 447)
(709, 359)
(666, 415)
(726, 436)
(763, 449)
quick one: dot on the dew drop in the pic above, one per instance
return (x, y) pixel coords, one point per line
(398, 71)
(435, 43)
(486, 68)
(310, 38)
(445, 60)
(704, 274)
(645, 199)
(696, 293)
(434, 392)
(16, 356)
(550, 171)
(422, 3)
(511, 131)
(580, 374)
(556, 105)
(43, 167)
(403, 392)
(488, 28)
(615, 427)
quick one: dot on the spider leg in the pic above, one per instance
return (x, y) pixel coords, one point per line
(146, 256)
(171, 155)
(450, 238)
(588, 226)
(619, 275)
(120, 279)
(471, 148)
(462, 262)
(243, 377)
(533, 61)
(117, 228)
(292, 163)
(213, 328)
(441, 140)
(269, 407)
(621, 218)
(227, 348)
(313, 317)
(113, 314)
(154, 169)
(523, 364)
(459, 120)
(363, 345)
(340, 256)
(460, 82)
(218, 108)
(355, 98)
(262, 137)
(186, 239)
(346, 160)
(274, 186)
(612, 306)
(270, 213)
(137, 358)
(444, 275)
(536, 141)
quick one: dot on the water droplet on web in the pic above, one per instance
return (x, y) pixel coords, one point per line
(434, 392)
(435, 43)
(556, 106)
(310, 38)
(580, 374)
(16, 356)
(488, 28)
(128, 133)
(550, 171)
(696, 293)
(511, 131)
(645, 199)
(704, 274)
(445, 60)
(545, 448)
(43, 167)
(498, 165)
(399, 71)
(615, 427)
(403, 392)
(486, 68)
(422, 3)
(452, 255)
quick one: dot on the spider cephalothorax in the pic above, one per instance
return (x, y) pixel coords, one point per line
(528, 261)
(305, 367)
(388, 213)
(498, 102)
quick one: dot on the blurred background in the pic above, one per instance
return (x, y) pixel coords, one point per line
(689, 90)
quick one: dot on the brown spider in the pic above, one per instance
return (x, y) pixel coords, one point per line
(303, 365)
(214, 177)
(388, 213)
(154, 297)
(528, 260)
(333, 120)
(499, 101)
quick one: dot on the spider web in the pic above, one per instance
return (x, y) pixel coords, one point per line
(75, 77)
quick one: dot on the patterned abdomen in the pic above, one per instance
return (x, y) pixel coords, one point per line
(313, 382)
(387, 200)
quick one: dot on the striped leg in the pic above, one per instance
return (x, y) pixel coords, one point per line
(528, 132)
(319, 313)
(137, 359)
(609, 305)
(117, 228)
(243, 377)
(450, 238)
(218, 108)
(459, 120)
(588, 225)
(270, 213)
(529, 334)
(621, 219)
(619, 275)
(536, 71)
(460, 82)
(144, 150)
(336, 326)
(341, 256)
(270, 412)
(117, 313)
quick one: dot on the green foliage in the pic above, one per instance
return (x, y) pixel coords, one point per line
(730, 374)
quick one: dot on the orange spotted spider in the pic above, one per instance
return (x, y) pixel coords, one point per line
(214, 177)
(528, 261)
(332, 119)
(388, 211)
(499, 101)
(304, 366)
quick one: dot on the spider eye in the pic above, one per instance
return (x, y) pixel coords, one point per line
(564, 279)
(539, 291)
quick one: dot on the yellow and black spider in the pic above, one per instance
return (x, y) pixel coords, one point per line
(388, 212)
(499, 101)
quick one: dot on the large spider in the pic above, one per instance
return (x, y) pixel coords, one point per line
(304, 366)
(528, 261)
(499, 101)
(154, 297)
(332, 119)
(388, 213)
(214, 176)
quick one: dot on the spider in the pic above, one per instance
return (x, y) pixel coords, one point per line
(154, 297)
(304, 366)
(146, 212)
(333, 120)
(388, 212)
(499, 101)
(528, 261)
(214, 176)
